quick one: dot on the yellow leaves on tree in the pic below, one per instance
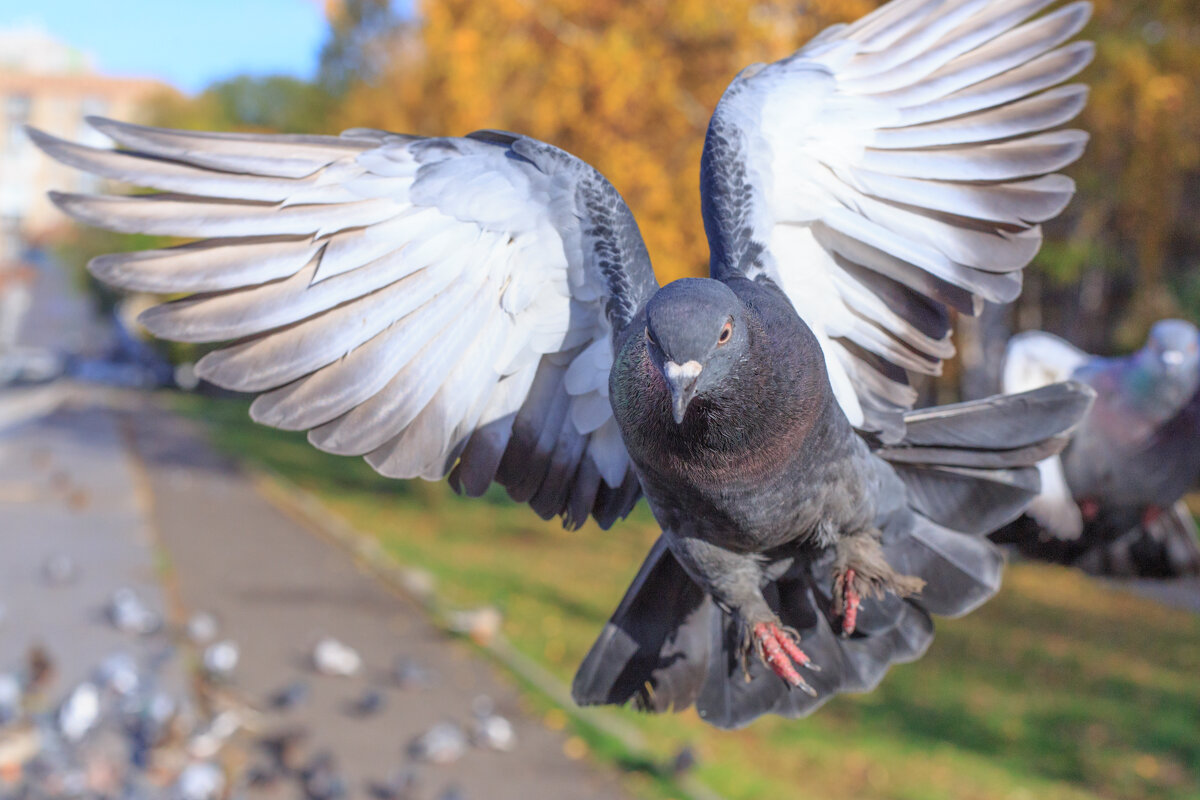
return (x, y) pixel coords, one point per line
(628, 87)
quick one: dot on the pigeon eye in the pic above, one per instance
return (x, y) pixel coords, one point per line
(726, 332)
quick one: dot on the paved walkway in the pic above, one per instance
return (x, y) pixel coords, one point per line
(122, 490)
(67, 490)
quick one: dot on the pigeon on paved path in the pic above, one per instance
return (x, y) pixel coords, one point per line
(1111, 502)
(291, 696)
(484, 308)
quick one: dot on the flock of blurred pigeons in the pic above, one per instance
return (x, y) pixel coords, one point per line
(127, 731)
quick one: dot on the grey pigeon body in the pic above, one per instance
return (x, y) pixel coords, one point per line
(766, 494)
(483, 309)
(1129, 463)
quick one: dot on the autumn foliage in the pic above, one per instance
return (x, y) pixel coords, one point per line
(628, 87)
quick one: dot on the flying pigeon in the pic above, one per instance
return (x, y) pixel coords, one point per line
(1111, 502)
(484, 308)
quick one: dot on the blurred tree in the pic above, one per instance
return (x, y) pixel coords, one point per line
(357, 47)
(626, 86)
(1128, 251)
(272, 103)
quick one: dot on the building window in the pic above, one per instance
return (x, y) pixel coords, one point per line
(16, 117)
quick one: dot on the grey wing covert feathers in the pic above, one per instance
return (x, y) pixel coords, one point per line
(438, 306)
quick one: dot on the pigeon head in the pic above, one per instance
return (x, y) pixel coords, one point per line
(1172, 358)
(695, 334)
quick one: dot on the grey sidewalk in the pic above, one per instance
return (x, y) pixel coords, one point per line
(274, 586)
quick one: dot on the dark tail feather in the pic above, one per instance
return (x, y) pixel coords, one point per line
(966, 468)
(960, 572)
(734, 696)
(971, 466)
(654, 650)
(669, 646)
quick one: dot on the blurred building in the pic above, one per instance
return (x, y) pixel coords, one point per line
(52, 86)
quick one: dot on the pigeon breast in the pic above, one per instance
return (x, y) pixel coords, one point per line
(734, 465)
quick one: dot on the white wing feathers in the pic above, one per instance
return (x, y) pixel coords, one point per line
(895, 168)
(410, 300)
(1034, 359)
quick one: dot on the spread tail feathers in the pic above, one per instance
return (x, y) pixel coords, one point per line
(972, 466)
(669, 646)
(967, 469)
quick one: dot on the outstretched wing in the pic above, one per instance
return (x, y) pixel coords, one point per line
(1032, 360)
(894, 169)
(435, 305)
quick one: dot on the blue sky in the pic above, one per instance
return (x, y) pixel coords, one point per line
(187, 43)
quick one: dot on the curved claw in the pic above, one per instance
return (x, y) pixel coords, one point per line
(781, 653)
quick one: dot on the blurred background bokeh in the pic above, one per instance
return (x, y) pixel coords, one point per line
(1062, 687)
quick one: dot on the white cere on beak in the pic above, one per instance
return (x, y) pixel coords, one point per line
(682, 373)
(1171, 357)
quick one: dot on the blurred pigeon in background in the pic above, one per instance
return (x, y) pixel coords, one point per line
(484, 308)
(80, 712)
(10, 697)
(331, 657)
(444, 743)
(201, 627)
(220, 659)
(491, 731)
(370, 702)
(403, 784)
(199, 781)
(291, 696)
(1111, 502)
(128, 613)
(408, 673)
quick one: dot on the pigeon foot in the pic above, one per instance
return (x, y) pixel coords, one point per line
(851, 600)
(861, 571)
(1089, 509)
(778, 648)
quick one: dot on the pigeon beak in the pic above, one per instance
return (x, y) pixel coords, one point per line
(681, 380)
(1172, 358)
